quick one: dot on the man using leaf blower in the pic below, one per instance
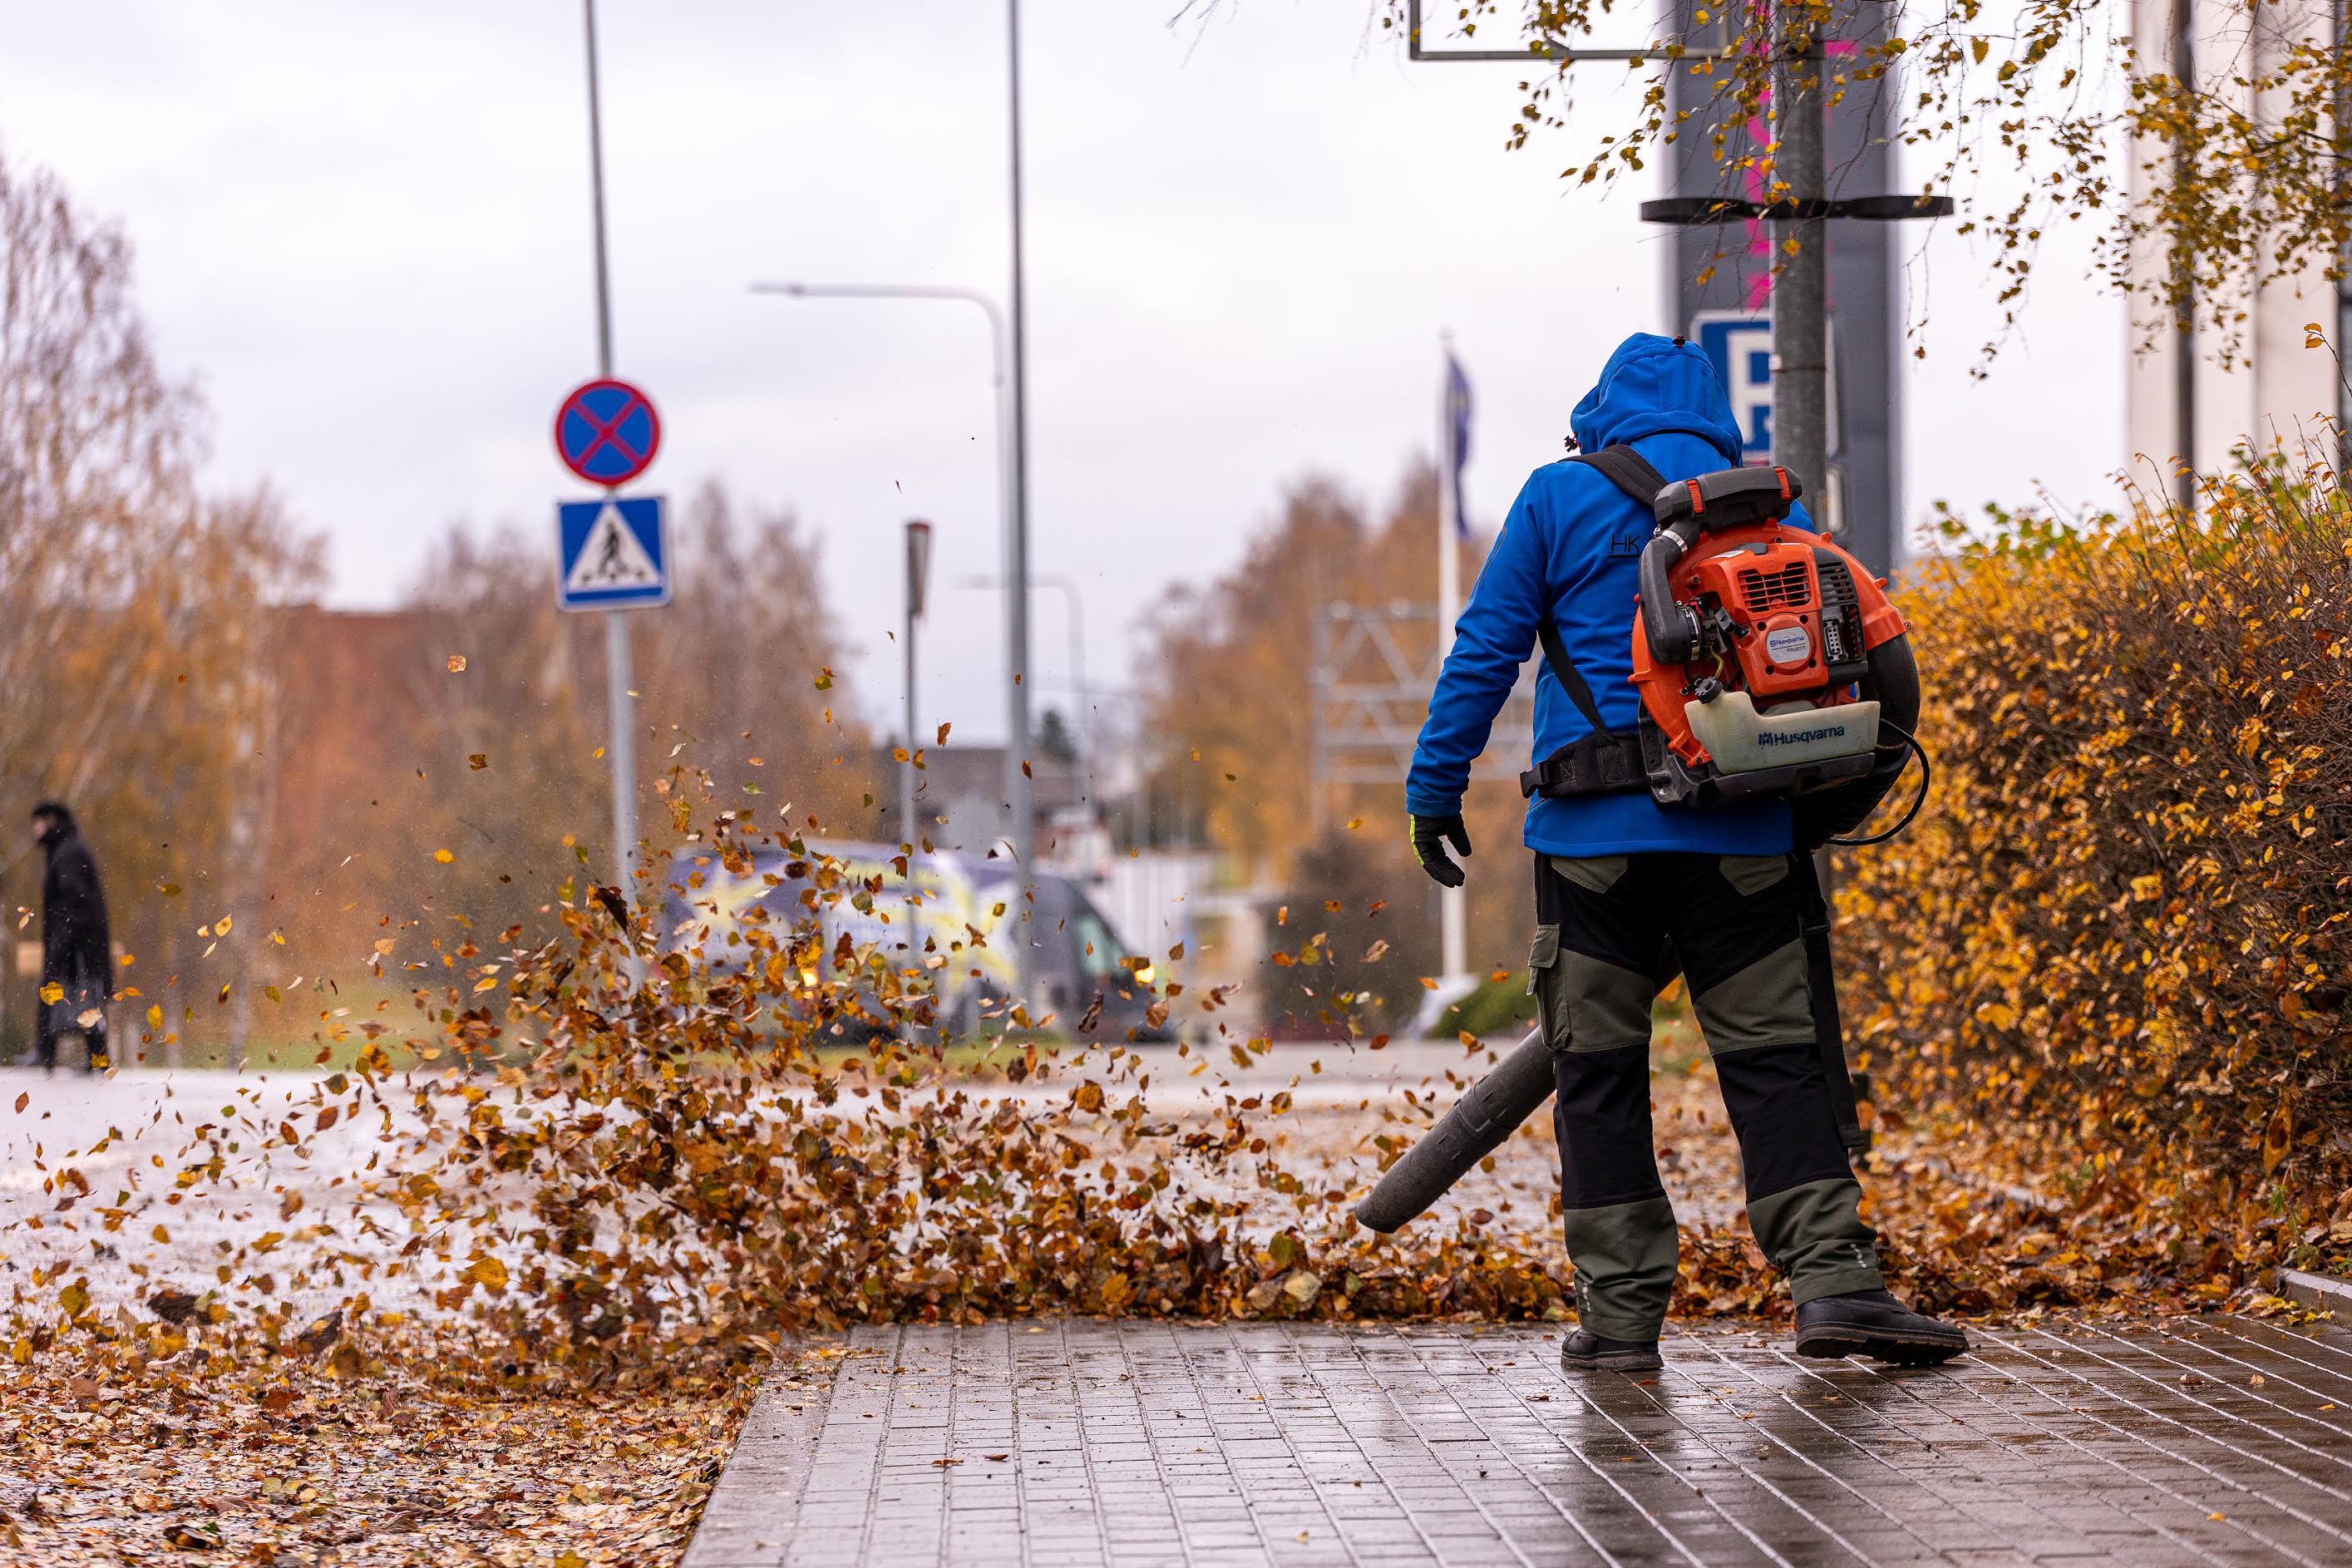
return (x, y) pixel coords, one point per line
(1721, 692)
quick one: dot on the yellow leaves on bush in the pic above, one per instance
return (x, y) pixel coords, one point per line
(2118, 934)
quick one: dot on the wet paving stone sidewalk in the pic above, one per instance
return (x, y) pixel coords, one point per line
(1076, 1444)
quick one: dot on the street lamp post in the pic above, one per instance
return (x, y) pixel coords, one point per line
(1014, 435)
(1008, 461)
(1011, 507)
(1016, 552)
(919, 577)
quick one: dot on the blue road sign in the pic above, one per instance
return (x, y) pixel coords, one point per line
(614, 553)
(606, 432)
(1740, 344)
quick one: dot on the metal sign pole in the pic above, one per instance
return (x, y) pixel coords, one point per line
(1800, 295)
(620, 745)
(918, 571)
(1016, 564)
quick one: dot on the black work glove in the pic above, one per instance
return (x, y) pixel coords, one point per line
(1430, 835)
(1833, 813)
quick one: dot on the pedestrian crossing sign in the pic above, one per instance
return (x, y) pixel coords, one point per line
(614, 553)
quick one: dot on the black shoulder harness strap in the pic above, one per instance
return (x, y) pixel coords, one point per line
(1628, 470)
(1606, 762)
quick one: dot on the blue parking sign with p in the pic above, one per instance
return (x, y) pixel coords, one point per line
(1740, 344)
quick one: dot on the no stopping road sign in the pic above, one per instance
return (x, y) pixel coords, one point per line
(606, 432)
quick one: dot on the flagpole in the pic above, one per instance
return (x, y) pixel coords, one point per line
(1452, 902)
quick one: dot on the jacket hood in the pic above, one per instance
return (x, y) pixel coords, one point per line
(1653, 384)
(62, 824)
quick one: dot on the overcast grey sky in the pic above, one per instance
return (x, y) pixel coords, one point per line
(364, 228)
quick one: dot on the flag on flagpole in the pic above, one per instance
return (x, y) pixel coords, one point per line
(1457, 411)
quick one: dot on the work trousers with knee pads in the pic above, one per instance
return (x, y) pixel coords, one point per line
(1611, 931)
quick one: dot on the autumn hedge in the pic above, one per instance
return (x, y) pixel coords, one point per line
(2116, 937)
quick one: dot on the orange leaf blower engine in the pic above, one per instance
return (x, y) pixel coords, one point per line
(1769, 660)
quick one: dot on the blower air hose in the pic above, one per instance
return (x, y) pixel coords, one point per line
(1917, 800)
(1488, 1112)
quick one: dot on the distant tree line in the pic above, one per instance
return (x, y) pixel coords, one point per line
(275, 789)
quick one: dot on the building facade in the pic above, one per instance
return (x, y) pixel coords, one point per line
(2196, 395)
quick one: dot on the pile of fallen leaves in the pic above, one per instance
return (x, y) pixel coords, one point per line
(378, 1444)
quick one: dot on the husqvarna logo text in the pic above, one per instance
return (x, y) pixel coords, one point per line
(1799, 737)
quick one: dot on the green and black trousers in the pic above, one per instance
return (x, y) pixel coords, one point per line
(1610, 933)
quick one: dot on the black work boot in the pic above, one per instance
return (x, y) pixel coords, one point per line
(1584, 1351)
(1874, 1323)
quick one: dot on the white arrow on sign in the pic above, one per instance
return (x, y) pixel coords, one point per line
(612, 558)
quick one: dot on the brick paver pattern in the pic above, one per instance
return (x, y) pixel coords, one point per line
(1121, 1444)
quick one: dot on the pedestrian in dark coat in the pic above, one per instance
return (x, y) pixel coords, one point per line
(77, 951)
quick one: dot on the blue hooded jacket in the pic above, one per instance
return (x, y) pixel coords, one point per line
(1570, 549)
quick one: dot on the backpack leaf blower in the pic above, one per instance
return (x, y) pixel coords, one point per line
(1770, 662)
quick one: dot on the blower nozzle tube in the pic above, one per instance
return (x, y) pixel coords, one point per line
(1489, 1112)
